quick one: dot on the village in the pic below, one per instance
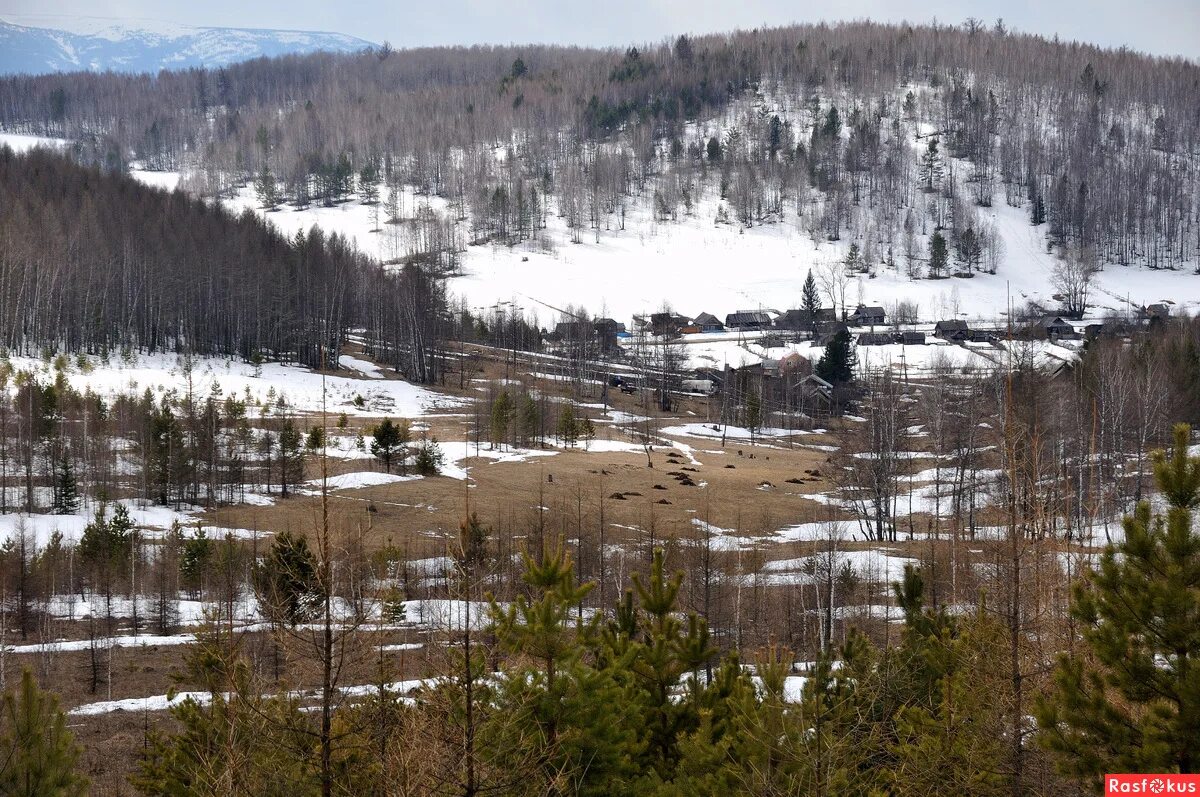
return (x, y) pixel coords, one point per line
(776, 351)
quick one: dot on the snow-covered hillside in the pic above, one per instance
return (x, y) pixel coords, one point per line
(695, 265)
(144, 46)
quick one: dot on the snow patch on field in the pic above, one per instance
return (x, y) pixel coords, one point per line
(152, 519)
(260, 385)
(22, 143)
(66, 646)
(359, 479)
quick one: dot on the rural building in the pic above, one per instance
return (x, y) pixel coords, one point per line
(1159, 311)
(748, 320)
(955, 329)
(707, 322)
(876, 338)
(1055, 328)
(668, 323)
(867, 316)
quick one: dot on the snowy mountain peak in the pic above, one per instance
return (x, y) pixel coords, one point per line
(99, 44)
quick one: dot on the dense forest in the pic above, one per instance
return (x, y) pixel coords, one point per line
(96, 262)
(867, 132)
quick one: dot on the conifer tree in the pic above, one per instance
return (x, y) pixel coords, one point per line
(1130, 702)
(931, 166)
(530, 420)
(938, 255)
(291, 456)
(66, 493)
(429, 458)
(387, 442)
(37, 752)
(578, 729)
(753, 412)
(237, 742)
(663, 651)
(266, 189)
(568, 428)
(854, 261)
(836, 365)
(810, 302)
(502, 411)
(285, 581)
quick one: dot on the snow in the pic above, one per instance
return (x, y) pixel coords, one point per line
(364, 367)
(462, 450)
(139, 704)
(263, 384)
(737, 433)
(875, 564)
(155, 519)
(167, 181)
(143, 641)
(695, 265)
(359, 479)
(22, 143)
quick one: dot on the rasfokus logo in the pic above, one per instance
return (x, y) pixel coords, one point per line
(1151, 784)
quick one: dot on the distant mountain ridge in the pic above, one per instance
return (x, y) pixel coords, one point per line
(130, 47)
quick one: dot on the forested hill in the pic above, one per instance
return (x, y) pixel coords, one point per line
(98, 262)
(858, 132)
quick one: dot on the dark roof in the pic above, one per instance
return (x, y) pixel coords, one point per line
(705, 319)
(742, 317)
(869, 310)
(953, 325)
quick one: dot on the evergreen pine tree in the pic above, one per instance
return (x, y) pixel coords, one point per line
(938, 255)
(1132, 702)
(66, 493)
(291, 461)
(836, 365)
(530, 420)
(753, 412)
(237, 742)
(713, 149)
(387, 442)
(266, 189)
(931, 166)
(854, 262)
(285, 581)
(810, 302)
(195, 560)
(577, 729)
(1038, 210)
(568, 429)
(502, 411)
(37, 752)
(429, 458)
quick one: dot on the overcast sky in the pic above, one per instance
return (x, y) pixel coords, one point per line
(1164, 27)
